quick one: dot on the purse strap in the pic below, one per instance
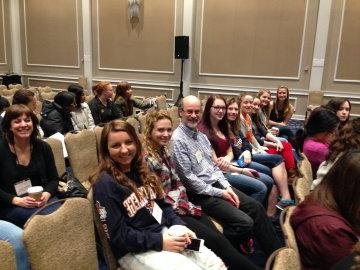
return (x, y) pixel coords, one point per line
(108, 254)
(37, 212)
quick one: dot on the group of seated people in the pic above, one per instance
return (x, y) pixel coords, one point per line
(231, 161)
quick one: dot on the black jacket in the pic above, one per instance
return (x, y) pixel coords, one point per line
(104, 114)
(136, 232)
(55, 119)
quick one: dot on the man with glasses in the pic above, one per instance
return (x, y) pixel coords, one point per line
(241, 216)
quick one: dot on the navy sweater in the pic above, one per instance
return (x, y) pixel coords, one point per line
(129, 226)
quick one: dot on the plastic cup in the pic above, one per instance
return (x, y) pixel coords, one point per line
(35, 192)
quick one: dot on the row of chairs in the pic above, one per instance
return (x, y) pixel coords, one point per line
(83, 147)
(289, 256)
(64, 239)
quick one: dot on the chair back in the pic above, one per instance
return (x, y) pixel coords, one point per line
(97, 131)
(108, 254)
(47, 95)
(288, 231)
(7, 256)
(8, 92)
(82, 153)
(142, 121)
(89, 97)
(315, 97)
(174, 114)
(64, 239)
(57, 149)
(2, 87)
(161, 102)
(282, 259)
(305, 168)
(302, 187)
(44, 89)
(135, 123)
(9, 98)
(16, 86)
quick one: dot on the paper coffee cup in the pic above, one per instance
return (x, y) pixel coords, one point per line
(35, 192)
(275, 128)
(177, 230)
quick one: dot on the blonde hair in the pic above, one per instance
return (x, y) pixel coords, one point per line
(151, 119)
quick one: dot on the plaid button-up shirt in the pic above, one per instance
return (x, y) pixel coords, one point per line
(192, 156)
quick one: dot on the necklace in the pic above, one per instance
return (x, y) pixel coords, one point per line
(16, 154)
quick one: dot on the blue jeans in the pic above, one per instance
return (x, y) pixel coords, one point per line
(13, 234)
(19, 215)
(268, 160)
(285, 132)
(256, 188)
(260, 168)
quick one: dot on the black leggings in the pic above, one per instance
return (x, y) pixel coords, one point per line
(217, 242)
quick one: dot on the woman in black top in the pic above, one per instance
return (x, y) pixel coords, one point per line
(102, 107)
(25, 161)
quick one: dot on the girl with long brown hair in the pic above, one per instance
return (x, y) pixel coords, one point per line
(132, 209)
(327, 223)
(281, 113)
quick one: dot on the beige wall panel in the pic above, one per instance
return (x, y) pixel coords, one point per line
(5, 41)
(52, 34)
(153, 92)
(259, 50)
(257, 38)
(148, 45)
(56, 84)
(343, 32)
(348, 67)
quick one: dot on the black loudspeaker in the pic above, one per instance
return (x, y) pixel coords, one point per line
(11, 79)
(182, 47)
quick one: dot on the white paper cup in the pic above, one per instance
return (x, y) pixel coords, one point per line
(177, 230)
(275, 129)
(35, 192)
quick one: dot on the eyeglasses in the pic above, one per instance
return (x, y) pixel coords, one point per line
(190, 112)
(218, 108)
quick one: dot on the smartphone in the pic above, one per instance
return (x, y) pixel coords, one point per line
(196, 244)
(241, 162)
(255, 173)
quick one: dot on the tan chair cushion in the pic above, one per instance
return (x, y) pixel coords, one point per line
(142, 121)
(82, 153)
(161, 102)
(305, 168)
(98, 131)
(288, 232)
(64, 239)
(47, 95)
(315, 97)
(8, 92)
(283, 259)
(57, 149)
(9, 98)
(135, 123)
(287, 259)
(7, 256)
(301, 188)
(45, 89)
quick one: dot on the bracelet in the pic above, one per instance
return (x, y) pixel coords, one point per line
(242, 171)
